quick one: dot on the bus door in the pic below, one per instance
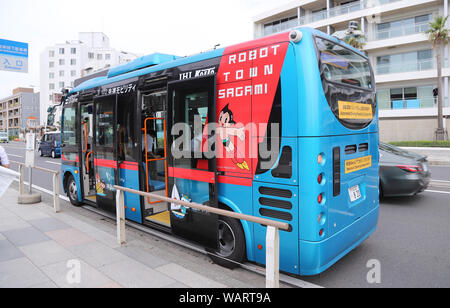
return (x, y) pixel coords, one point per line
(192, 158)
(154, 153)
(87, 151)
(105, 152)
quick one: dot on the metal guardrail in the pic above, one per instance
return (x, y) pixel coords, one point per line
(272, 237)
(56, 204)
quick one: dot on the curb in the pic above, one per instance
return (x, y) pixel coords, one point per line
(439, 163)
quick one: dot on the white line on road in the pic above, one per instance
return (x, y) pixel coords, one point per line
(440, 181)
(43, 190)
(15, 155)
(438, 191)
(52, 162)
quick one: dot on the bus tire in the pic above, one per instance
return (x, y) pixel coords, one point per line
(72, 191)
(231, 244)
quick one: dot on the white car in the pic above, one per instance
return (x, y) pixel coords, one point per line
(4, 138)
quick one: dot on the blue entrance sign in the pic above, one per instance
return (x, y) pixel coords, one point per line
(13, 56)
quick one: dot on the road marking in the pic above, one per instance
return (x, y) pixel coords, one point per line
(438, 191)
(43, 190)
(15, 155)
(441, 181)
(52, 162)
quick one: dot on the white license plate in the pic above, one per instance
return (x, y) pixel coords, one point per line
(355, 193)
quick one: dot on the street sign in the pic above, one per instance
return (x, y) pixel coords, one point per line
(30, 139)
(13, 56)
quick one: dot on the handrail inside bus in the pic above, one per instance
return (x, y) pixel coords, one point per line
(147, 160)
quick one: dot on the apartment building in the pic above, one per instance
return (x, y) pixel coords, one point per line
(62, 64)
(403, 59)
(19, 110)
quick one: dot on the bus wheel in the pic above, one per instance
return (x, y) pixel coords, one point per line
(231, 243)
(72, 191)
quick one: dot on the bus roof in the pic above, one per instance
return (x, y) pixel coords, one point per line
(158, 62)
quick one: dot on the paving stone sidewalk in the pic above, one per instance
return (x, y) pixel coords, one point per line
(38, 248)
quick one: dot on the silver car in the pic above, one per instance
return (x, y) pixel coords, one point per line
(4, 137)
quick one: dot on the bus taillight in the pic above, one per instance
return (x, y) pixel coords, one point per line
(320, 199)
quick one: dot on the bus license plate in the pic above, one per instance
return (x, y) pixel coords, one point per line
(355, 193)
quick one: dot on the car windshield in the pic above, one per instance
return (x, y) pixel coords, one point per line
(343, 65)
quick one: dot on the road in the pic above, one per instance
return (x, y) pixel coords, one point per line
(411, 243)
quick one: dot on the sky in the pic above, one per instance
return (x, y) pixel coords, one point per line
(179, 27)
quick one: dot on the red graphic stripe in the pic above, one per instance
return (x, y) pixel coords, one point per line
(195, 175)
(128, 165)
(105, 163)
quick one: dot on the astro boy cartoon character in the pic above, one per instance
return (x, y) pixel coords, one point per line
(226, 130)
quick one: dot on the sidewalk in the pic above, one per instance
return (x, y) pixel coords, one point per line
(36, 245)
(436, 156)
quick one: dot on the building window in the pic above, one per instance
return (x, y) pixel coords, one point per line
(73, 51)
(51, 53)
(51, 64)
(91, 55)
(99, 56)
(73, 73)
(61, 62)
(280, 25)
(407, 26)
(61, 51)
(407, 98)
(61, 73)
(51, 75)
(405, 62)
(73, 61)
(61, 84)
(51, 86)
(107, 56)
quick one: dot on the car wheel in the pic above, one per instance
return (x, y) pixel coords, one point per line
(231, 250)
(40, 153)
(72, 191)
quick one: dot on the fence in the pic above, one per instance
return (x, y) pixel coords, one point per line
(272, 237)
(56, 204)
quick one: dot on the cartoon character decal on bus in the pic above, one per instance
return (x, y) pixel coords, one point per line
(226, 129)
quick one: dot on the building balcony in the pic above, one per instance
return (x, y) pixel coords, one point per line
(341, 14)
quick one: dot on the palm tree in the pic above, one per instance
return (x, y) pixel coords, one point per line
(356, 42)
(438, 34)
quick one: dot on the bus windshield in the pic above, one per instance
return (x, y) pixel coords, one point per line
(343, 65)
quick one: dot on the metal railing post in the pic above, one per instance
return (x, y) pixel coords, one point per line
(272, 258)
(21, 178)
(120, 216)
(56, 204)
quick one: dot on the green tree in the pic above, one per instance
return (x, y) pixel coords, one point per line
(438, 34)
(357, 42)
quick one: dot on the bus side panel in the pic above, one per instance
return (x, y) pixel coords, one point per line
(276, 207)
(129, 177)
(239, 199)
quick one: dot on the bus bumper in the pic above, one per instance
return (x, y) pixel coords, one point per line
(316, 257)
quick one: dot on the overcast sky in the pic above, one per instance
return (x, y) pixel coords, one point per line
(180, 27)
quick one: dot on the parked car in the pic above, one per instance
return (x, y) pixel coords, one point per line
(4, 137)
(50, 145)
(402, 173)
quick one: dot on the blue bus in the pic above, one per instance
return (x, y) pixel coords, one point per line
(283, 127)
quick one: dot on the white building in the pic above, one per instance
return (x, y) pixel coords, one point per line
(403, 59)
(63, 63)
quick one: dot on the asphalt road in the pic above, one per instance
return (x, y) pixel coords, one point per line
(411, 243)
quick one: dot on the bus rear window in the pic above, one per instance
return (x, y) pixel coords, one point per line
(342, 65)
